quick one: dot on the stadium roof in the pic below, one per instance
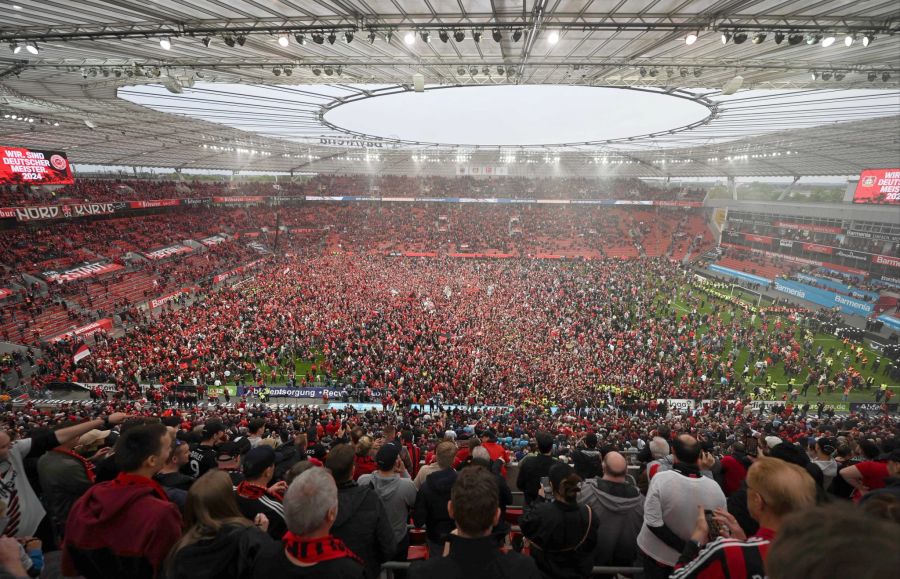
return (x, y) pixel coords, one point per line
(92, 55)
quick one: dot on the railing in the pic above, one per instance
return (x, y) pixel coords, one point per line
(388, 569)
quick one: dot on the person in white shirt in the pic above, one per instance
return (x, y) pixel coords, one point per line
(24, 510)
(670, 511)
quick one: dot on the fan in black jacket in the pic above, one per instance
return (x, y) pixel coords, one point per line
(533, 468)
(362, 522)
(471, 552)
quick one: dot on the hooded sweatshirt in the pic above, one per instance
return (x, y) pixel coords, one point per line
(228, 555)
(363, 525)
(829, 470)
(619, 508)
(398, 495)
(121, 528)
(431, 504)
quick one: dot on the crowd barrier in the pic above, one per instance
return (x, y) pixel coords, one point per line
(823, 297)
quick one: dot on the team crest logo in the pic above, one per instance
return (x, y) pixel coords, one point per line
(868, 181)
(58, 162)
(67, 211)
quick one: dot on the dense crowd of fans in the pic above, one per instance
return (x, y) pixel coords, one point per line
(105, 190)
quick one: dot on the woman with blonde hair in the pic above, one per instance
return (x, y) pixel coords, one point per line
(218, 542)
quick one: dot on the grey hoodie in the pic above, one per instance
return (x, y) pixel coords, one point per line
(619, 509)
(829, 470)
(398, 495)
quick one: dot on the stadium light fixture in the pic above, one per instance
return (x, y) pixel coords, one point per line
(476, 35)
(643, 72)
(839, 75)
(276, 71)
(814, 75)
(316, 70)
(15, 48)
(691, 37)
(461, 70)
(496, 35)
(871, 76)
(500, 70)
(828, 41)
(726, 37)
(328, 71)
(654, 72)
(332, 37)
(885, 76)
(300, 39)
(697, 72)
(759, 38)
(425, 36)
(813, 39)
(683, 72)
(848, 40)
(444, 36)
(241, 39)
(739, 37)
(409, 38)
(459, 35)
(288, 71)
(517, 35)
(164, 43)
(372, 37)
(318, 38)
(206, 41)
(229, 41)
(779, 37)
(32, 48)
(389, 36)
(868, 39)
(794, 39)
(348, 36)
(553, 38)
(826, 75)
(283, 41)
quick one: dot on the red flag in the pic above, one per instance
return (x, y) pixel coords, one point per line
(81, 353)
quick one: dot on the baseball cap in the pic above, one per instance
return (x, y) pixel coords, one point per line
(772, 441)
(232, 449)
(211, 429)
(387, 456)
(93, 436)
(257, 461)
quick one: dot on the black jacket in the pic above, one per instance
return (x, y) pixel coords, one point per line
(431, 504)
(475, 559)
(586, 462)
(562, 539)
(272, 563)
(363, 525)
(531, 469)
(229, 555)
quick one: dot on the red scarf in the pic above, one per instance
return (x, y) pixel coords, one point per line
(317, 550)
(88, 465)
(254, 492)
(128, 479)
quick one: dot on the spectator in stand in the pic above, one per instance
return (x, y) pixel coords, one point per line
(619, 508)
(497, 452)
(397, 493)
(25, 514)
(734, 468)
(777, 489)
(824, 450)
(892, 482)
(660, 453)
(431, 509)
(126, 527)
(307, 550)
(470, 551)
(363, 463)
(670, 510)
(65, 475)
(170, 478)
(290, 454)
(833, 542)
(203, 455)
(586, 458)
(218, 541)
(866, 476)
(362, 522)
(255, 496)
(535, 467)
(562, 534)
(413, 451)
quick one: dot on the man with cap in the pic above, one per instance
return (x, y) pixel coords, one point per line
(255, 497)
(203, 456)
(228, 458)
(397, 493)
(65, 474)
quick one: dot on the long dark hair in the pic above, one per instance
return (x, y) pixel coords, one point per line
(209, 507)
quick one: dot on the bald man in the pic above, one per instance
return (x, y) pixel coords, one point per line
(619, 507)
